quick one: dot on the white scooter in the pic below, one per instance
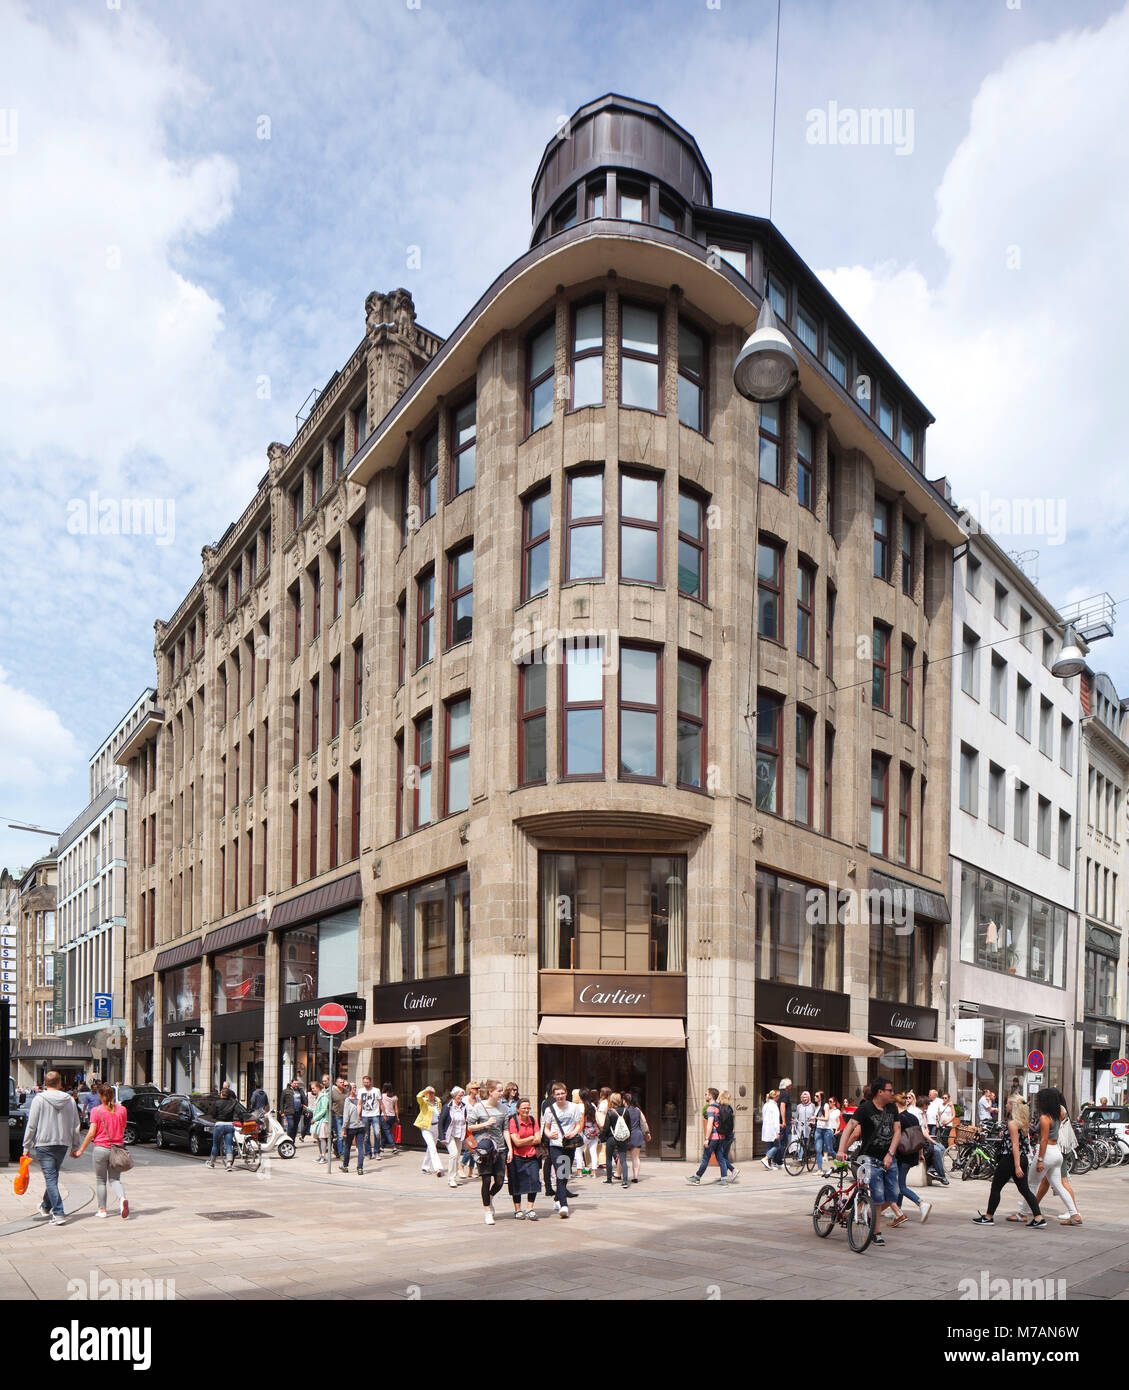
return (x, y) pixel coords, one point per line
(260, 1135)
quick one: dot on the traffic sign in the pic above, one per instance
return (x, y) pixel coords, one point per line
(103, 1006)
(1035, 1060)
(1120, 1067)
(332, 1019)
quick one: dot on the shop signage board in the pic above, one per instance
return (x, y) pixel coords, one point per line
(968, 1036)
(296, 1020)
(445, 997)
(612, 995)
(910, 1021)
(796, 1007)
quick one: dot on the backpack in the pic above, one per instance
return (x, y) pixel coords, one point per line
(621, 1130)
(725, 1121)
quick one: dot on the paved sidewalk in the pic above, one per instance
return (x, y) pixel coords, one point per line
(396, 1233)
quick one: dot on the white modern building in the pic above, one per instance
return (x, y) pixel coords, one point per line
(90, 966)
(1103, 782)
(1014, 936)
(9, 951)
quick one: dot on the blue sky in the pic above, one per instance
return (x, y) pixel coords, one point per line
(161, 259)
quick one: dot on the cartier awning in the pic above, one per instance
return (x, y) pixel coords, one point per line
(409, 1033)
(836, 1044)
(925, 1051)
(576, 1030)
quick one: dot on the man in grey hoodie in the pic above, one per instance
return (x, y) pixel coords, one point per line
(52, 1128)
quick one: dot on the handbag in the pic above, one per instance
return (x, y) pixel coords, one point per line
(20, 1182)
(121, 1160)
(470, 1141)
(567, 1144)
(1067, 1139)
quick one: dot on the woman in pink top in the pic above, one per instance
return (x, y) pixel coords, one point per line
(107, 1128)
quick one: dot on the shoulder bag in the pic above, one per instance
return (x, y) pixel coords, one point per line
(566, 1144)
(470, 1141)
(121, 1160)
(1067, 1139)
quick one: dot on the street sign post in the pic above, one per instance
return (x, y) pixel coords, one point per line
(103, 1006)
(332, 1019)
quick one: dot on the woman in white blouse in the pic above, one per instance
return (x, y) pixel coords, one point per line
(770, 1121)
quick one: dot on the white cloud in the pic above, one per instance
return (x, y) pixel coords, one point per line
(38, 750)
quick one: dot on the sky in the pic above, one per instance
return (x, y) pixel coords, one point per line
(195, 200)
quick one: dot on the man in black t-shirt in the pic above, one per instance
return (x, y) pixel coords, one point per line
(876, 1122)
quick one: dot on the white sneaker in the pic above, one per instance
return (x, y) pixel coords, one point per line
(767, 1164)
(102, 1213)
(489, 1217)
(452, 1184)
(925, 1208)
(564, 1213)
(58, 1220)
(556, 1205)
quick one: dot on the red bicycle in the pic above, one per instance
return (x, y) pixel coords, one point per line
(850, 1206)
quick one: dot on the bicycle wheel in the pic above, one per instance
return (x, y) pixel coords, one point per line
(860, 1221)
(949, 1158)
(809, 1163)
(252, 1155)
(825, 1212)
(1082, 1159)
(794, 1157)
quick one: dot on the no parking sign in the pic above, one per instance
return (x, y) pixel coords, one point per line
(1035, 1060)
(1120, 1067)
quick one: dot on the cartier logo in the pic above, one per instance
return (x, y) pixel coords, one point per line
(591, 994)
(802, 1010)
(424, 1001)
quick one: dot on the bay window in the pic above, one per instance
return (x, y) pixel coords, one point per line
(640, 713)
(624, 912)
(640, 379)
(640, 528)
(582, 681)
(535, 544)
(588, 354)
(584, 544)
(691, 731)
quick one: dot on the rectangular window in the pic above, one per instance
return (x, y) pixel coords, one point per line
(805, 468)
(807, 330)
(770, 590)
(297, 499)
(778, 296)
(881, 538)
(402, 630)
(422, 799)
(692, 377)
(1064, 847)
(425, 617)
(1066, 747)
(768, 430)
(970, 664)
(355, 814)
(886, 416)
(539, 388)
(837, 363)
(588, 354)
(337, 455)
(532, 740)
(358, 678)
(314, 713)
(997, 692)
(1023, 708)
(403, 502)
(908, 539)
(1044, 827)
(1046, 727)
(879, 802)
(632, 203)
(295, 626)
(805, 738)
(1021, 814)
(880, 668)
(399, 743)
(612, 912)
(360, 424)
(334, 813)
(829, 654)
(315, 580)
(335, 561)
(595, 198)
(640, 714)
(908, 650)
(805, 610)
(582, 680)
(640, 376)
(735, 257)
(1000, 607)
(316, 482)
(906, 440)
(535, 544)
(828, 776)
(832, 484)
(969, 779)
(770, 714)
(691, 544)
(640, 528)
(429, 476)
(691, 731)
(996, 796)
(905, 803)
(296, 722)
(456, 782)
(972, 576)
(460, 596)
(335, 697)
(584, 553)
(464, 438)
(313, 866)
(1025, 628)
(359, 560)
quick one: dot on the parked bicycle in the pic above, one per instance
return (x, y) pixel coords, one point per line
(849, 1206)
(800, 1153)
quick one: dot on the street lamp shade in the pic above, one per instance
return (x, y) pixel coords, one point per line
(766, 368)
(1070, 660)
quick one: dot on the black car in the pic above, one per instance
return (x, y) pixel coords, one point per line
(17, 1121)
(181, 1124)
(141, 1106)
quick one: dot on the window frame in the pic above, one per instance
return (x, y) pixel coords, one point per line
(774, 437)
(635, 707)
(529, 543)
(454, 595)
(532, 383)
(905, 815)
(694, 543)
(635, 523)
(636, 355)
(771, 587)
(567, 707)
(909, 651)
(358, 678)
(909, 573)
(426, 717)
(805, 721)
(698, 721)
(805, 613)
(884, 760)
(880, 665)
(526, 717)
(428, 476)
(425, 617)
(587, 354)
(580, 522)
(700, 382)
(805, 466)
(458, 751)
(454, 485)
(775, 704)
(882, 539)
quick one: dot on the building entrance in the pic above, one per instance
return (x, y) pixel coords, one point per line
(655, 1076)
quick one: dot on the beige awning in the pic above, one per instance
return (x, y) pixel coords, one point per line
(410, 1033)
(579, 1030)
(925, 1051)
(837, 1044)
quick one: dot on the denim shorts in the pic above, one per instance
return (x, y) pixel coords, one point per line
(883, 1181)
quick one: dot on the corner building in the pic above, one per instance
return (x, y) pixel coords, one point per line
(637, 680)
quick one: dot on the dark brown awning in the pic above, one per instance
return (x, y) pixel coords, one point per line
(183, 953)
(235, 933)
(53, 1050)
(306, 906)
(931, 906)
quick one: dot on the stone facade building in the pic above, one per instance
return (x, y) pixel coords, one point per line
(554, 707)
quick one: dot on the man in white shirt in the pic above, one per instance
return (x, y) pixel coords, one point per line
(369, 1098)
(563, 1120)
(984, 1107)
(933, 1113)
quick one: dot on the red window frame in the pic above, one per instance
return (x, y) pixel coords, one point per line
(654, 710)
(772, 586)
(634, 523)
(315, 575)
(905, 815)
(458, 450)
(423, 767)
(454, 595)
(316, 482)
(223, 880)
(296, 612)
(526, 717)
(399, 742)
(805, 465)
(773, 437)
(313, 834)
(568, 707)
(358, 677)
(879, 760)
(296, 709)
(880, 668)
(293, 843)
(805, 762)
(251, 667)
(698, 380)
(355, 814)
(688, 719)
(883, 509)
(638, 355)
(238, 667)
(334, 813)
(402, 624)
(429, 476)
(908, 651)
(450, 753)
(586, 354)
(360, 423)
(805, 611)
(698, 543)
(770, 706)
(908, 575)
(335, 555)
(334, 697)
(315, 712)
(530, 542)
(337, 454)
(425, 617)
(829, 652)
(297, 504)
(532, 383)
(828, 775)
(587, 520)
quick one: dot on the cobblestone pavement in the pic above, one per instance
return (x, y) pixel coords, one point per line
(396, 1233)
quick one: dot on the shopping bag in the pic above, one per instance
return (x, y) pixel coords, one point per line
(396, 1134)
(20, 1182)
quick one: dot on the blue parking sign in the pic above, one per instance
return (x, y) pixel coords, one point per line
(103, 1006)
